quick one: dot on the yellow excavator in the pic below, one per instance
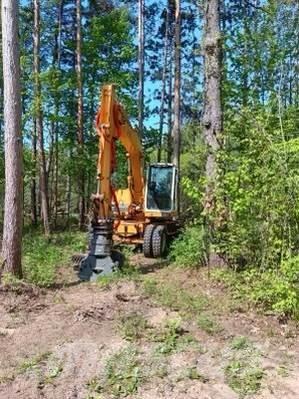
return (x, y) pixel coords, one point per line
(145, 213)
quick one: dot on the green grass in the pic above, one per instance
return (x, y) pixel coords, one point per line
(270, 290)
(175, 297)
(42, 257)
(121, 377)
(207, 324)
(239, 343)
(33, 362)
(243, 372)
(243, 378)
(172, 338)
(132, 326)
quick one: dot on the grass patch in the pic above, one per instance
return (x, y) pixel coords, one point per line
(33, 363)
(192, 373)
(208, 325)
(175, 297)
(172, 338)
(122, 375)
(243, 372)
(243, 378)
(128, 272)
(132, 326)
(239, 343)
(42, 256)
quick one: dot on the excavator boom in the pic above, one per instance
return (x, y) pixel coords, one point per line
(124, 214)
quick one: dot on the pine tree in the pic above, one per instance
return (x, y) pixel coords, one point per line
(13, 214)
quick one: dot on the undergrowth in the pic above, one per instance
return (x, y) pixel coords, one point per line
(121, 377)
(273, 290)
(43, 256)
(175, 297)
(243, 372)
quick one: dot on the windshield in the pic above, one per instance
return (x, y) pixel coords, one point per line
(160, 188)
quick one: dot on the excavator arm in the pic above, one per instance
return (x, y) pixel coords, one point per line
(112, 124)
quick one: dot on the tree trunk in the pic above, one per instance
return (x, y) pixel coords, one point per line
(141, 66)
(80, 135)
(13, 213)
(57, 59)
(169, 109)
(43, 184)
(33, 179)
(176, 135)
(212, 115)
(163, 92)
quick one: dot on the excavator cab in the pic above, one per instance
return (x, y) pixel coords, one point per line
(161, 191)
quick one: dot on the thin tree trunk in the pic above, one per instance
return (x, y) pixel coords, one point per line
(212, 115)
(39, 122)
(176, 135)
(80, 136)
(33, 179)
(163, 92)
(13, 213)
(141, 66)
(57, 60)
(169, 110)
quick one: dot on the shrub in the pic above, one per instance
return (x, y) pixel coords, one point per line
(189, 250)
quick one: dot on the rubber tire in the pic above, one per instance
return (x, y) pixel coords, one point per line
(159, 242)
(147, 241)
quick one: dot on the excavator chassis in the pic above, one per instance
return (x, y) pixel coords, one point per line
(101, 260)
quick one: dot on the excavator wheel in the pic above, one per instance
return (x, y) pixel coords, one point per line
(147, 241)
(159, 241)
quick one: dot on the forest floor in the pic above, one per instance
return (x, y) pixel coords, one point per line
(162, 333)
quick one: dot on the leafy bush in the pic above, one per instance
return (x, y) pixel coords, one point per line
(275, 290)
(189, 250)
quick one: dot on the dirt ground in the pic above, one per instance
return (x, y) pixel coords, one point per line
(56, 343)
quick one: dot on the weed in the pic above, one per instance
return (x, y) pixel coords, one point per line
(33, 363)
(172, 338)
(243, 372)
(193, 374)
(207, 324)
(127, 272)
(122, 375)
(274, 290)
(132, 326)
(54, 371)
(243, 378)
(190, 249)
(175, 297)
(240, 343)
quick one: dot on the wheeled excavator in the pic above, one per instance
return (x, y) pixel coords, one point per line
(144, 213)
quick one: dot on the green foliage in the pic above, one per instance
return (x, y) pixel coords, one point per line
(122, 375)
(42, 256)
(34, 362)
(243, 372)
(206, 323)
(243, 379)
(132, 326)
(273, 290)
(190, 249)
(175, 297)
